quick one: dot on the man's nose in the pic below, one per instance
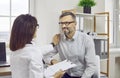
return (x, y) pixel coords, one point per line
(64, 25)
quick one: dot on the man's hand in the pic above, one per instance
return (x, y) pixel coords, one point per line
(59, 74)
(54, 61)
(56, 39)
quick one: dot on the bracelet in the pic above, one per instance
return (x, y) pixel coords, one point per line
(51, 62)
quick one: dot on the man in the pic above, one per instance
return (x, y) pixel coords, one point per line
(76, 46)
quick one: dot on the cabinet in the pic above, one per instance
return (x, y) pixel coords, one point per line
(97, 23)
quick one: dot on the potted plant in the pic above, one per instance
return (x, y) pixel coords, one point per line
(87, 4)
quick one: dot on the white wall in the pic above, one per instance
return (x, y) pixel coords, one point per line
(99, 7)
(47, 13)
(116, 23)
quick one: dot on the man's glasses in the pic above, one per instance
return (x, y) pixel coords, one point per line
(66, 23)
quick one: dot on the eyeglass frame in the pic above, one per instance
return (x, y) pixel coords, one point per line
(37, 26)
(66, 23)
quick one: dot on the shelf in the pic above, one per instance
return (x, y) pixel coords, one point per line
(85, 14)
(91, 15)
(101, 38)
(103, 59)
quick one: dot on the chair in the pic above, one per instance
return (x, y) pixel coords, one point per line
(97, 60)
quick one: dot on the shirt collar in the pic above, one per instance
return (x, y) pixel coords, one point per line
(74, 37)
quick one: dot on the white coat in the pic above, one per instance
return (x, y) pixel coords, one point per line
(27, 62)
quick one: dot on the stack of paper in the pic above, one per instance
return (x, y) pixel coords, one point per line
(64, 65)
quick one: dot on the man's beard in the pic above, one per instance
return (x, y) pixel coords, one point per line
(67, 31)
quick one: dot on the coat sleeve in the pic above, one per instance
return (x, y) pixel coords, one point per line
(36, 69)
(49, 53)
(46, 49)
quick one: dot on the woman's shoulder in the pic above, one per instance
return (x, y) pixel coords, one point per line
(33, 49)
(28, 51)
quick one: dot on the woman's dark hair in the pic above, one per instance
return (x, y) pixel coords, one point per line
(23, 30)
(68, 13)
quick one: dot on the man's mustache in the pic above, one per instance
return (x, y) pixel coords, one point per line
(64, 28)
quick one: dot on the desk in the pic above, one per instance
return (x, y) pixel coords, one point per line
(5, 71)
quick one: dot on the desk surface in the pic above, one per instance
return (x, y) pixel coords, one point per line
(4, 71)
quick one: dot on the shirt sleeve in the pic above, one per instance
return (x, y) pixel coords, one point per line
(89, 58)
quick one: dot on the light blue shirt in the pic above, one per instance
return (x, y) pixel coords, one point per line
(80, 50)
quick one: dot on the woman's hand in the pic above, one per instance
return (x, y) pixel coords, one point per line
(56, 39)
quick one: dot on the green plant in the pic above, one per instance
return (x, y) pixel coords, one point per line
(86, 3)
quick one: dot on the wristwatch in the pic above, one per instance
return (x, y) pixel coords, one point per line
(53, 44)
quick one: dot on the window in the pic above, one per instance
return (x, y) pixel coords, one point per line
(9, 10)
(116, 23)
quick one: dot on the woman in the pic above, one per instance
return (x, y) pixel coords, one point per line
(26, 58)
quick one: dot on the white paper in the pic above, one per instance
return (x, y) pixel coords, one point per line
(64, 65)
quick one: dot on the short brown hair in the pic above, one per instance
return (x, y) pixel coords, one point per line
(22, 32)
(66, 14)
